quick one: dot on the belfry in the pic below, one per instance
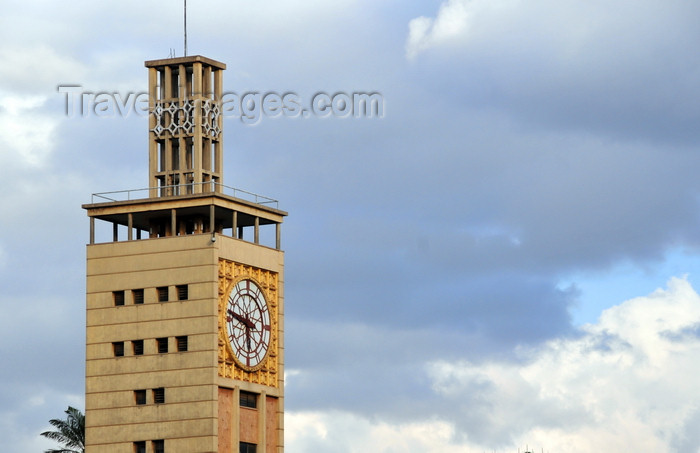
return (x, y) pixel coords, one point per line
(185, 291)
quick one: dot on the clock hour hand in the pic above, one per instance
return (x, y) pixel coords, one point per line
(246, 322)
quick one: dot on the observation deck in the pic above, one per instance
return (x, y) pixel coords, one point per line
(184, 209)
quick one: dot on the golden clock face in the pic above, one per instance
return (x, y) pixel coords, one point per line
(248, 324)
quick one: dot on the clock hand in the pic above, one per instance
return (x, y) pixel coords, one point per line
(245, 321)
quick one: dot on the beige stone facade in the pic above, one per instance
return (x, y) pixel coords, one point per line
(160, 371)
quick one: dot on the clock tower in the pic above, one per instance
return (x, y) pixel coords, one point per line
(185, 298)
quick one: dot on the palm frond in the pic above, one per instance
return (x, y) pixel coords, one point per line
(69, 432)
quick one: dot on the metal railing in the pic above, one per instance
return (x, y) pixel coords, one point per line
(184, 189)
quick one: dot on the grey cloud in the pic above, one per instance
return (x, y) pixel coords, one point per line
(438, 232)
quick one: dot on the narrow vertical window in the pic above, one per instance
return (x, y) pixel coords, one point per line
(159, 446)
(140, 397)
(118, 298)
(118, 348)
(181, 344)
(162, 293)
(140, 447)
(138, 296)
(248, 399)
(159, 395)
(182, 292)
(138, 347)
(162, 344)
(246, 447)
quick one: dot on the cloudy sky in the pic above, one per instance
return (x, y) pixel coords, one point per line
(507, 258)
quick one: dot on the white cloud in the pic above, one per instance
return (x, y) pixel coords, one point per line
(454, 20)
(38, 68)
(25, 133)
(627, 383)
(342, 432)
(423, 32)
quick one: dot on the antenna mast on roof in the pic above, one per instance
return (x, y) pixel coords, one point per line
(185, 27)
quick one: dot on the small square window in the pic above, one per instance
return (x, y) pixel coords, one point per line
(138, 347)
(248, 399)
(159, 395)
(162, 344)
(140, 397)
(158, 446)
(182, 292)
(181, 344)
(140, 447)
(138, 296)
(162, 294)
(246, 447)
(118, 298)
(118, 348)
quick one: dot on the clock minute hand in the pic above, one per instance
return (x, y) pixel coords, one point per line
(246, 322)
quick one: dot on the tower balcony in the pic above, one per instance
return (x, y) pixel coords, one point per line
(185, 209)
